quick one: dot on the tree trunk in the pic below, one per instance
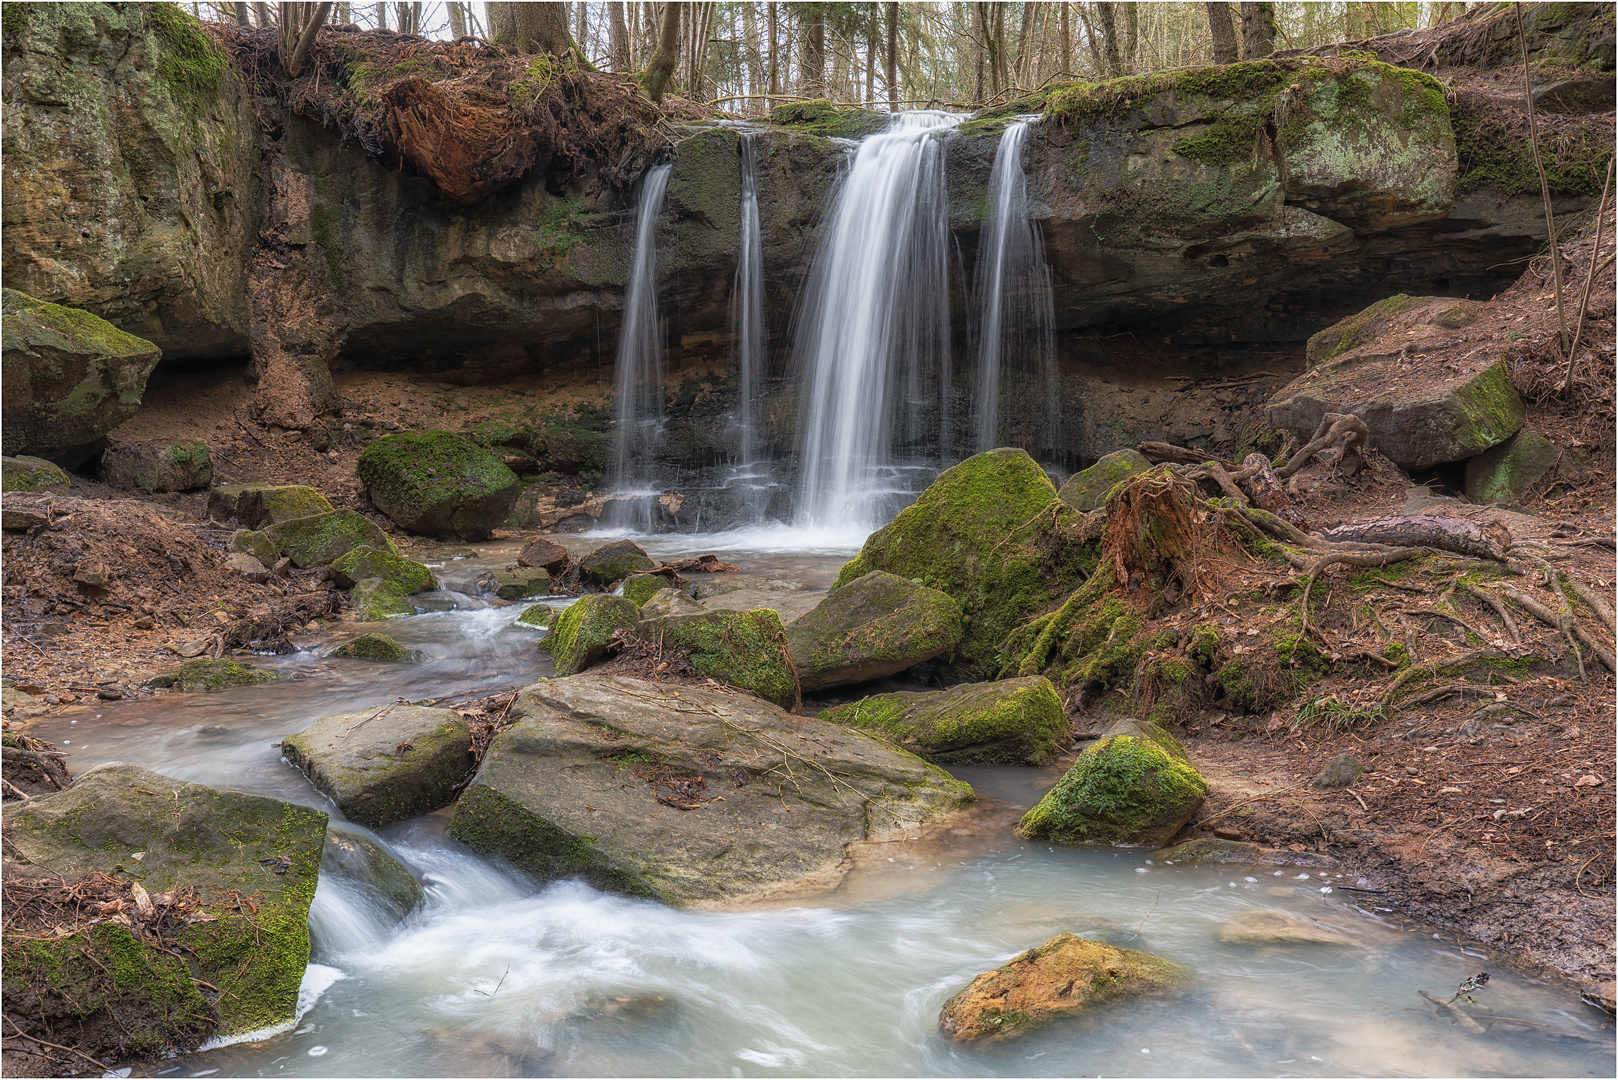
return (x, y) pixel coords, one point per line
(1090, 40)
(755, 55)
(1480, 539)
(1224, 35)
(457, 20)
(1258, 30)
(889, 72)
(1109, 34)
(581, 36)
(812, 65)
(532, 27)
(242, 17)
(1064, 43)
(299, 25)
(381, 16)
(775, 50)
(1132, 37)
(980, 48)
(617, 37)
(661, 69)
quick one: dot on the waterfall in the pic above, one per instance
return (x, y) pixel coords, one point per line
(873, 339)
(638, 373)
(1016, 336)
(750, 478)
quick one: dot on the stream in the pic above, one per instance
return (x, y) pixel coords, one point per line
(494, 974)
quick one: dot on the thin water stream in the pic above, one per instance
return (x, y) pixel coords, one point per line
(498, 975)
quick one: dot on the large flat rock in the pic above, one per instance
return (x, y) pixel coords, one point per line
(685, 794)
(385, 764)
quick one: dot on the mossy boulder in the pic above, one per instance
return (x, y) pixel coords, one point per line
(1505, 473)
(747, 649)
(876, 625)
(255, 543)
(153, 467)
(966, 536)
(32, 474)
(616, 561)
(639, 588)
(538, 617)
(322, 539)
(1135, 785)
(70, 378)
(206, 676)
(520, 582)
(596, 776)
(254, 505)
(1058, 980)
(385, 764)
(361, 859)
(582, 631)
(669, 602)
(1011, 722)
(1087, 490)
(373, 647)
(405, 575)
(1357, 329)
(103, 989)
(377, 598)
(438, 484)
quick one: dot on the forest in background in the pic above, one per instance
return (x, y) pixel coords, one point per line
(745, 57)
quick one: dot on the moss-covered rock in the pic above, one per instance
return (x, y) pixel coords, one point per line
(639, 588)
(32, 474)
(520, 582)
(255, 543)
(385, 764)
(1357, 329)
(747, 649)
(616, 561)
(669, 602)
(1087, 490)
(538, 617)
(1011, 722)
(373, 647)
(876, 625)
(438, 484)
(206, 676)
(1505, 473)
(376, 598)
(1055, 981)
(151, 467)
(361, 859)
(1133, 786)
(255, 505)
(70, 378)
(582, 631)
(967, 534)
(321, 539)
(252, 863)
(405, 575)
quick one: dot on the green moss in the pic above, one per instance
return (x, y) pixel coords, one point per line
(539, 616)
(1120, 788)
(373, 647)
(14, 17)
(747, 649)
(582, 631)
(207, 676)
(639, 588)
(81, 331)
(405, 575)
(190, 62)
(1493, 155)
(434, 481)
(321, 539)
(1017, 722)
(324, 218)
(1203, 645)
(376, 598)
(1354, 331)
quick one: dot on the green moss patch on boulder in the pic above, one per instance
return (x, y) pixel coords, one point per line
(253, 505)
(876, 625)
(1357, 329)
(1133, 786)
(616, 561)
(1011, 722)
(1087, 490)
(405, 575)
(377, 598)
(373, 647)
(639, 588)
(747, 649)
(70, 378)
(539, 617)
(206, 676)
(255, 543)
(385, 764)
(252, 864)
(520, 582)
(321, 539)
(581, 785)
(32, 474)
(670, 602)
(438, 484)
(1505, 473)
(1058, 980)
(583, 629)
(158, 466)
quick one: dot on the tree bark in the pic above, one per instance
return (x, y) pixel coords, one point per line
(457, 19)
(381, 15)
(1258, 30)
(1479, 539)
(1224, 35)
(617, 37)
(1132, 37)
(775, 49)
(1065, 41)
(1090, 40)
(242, 17)
(812, 65)
(1109, 31)
(532, 27)
(581, 35)
(889, 73)
(980, 48)
(299, 25)
(661, 69)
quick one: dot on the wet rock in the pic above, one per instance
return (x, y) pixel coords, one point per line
(373, 647)
(1339, 772)
(522, 582)
(361, 859)
(376, 598)
(438, 484)
(615, 561)
(70, 378)
(385, 764)
(876, 625)
(1087, 490)
(545, 554)
(170, 839)
(746, 649)
(682, 794)
(248, 567)
(582, 631)
(32, 474)
(207, 676)
(1270, 926)
(1603, 996)
(669, 602)
(1505, 473)
(1060, 979)
(1213, 851)
(321, 539)
(1135, 785)
(639, 588)
(254, 543)
(405, 575)
(255, 505)
(158, 466)
(1011, 722)
(539, 617)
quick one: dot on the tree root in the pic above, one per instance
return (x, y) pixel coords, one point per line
(1435, 666)
(1594, 601)
(1354, 558)
(1344, 430)
(1568, 625)
(1500, 610)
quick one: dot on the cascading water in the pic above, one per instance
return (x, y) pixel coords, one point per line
(638, 373)
(1016, 337)
(751, 476)
(874, 338)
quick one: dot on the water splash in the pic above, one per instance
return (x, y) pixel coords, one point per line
(638, 372)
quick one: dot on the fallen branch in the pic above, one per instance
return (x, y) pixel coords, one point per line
(1158, 453)
(1463, 536)
(1460, 1017)
(1261, 482)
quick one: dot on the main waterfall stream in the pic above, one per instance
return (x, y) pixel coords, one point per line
(495, 974)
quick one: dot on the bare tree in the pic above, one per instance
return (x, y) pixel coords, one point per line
(1224, 35)
(532, 27)
(775, 53)
(812, 62)
(298, 26)
(381, 16)
(661, 68)
(617, 37)
(1107, 16)
(891, 58)
(1064, 44)
(1258, 30)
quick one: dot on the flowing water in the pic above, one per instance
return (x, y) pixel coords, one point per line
(495, 974)
(750, 475)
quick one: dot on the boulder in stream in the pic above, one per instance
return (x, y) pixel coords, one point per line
(1010, 722)
(747, 649)
(669, 602)
(1134, 785)
(373, 647)
(686, 794)
(205, 676)
(406, 575)
(220, 880)
(385, 764)
(544, 553)
(377, 598)
(1272, 926)
(615, 561)
(1059, 979)
(876, 625)
(361, 859)
(639, 588)
(438, 484)
(584, 628)
(322, 539)
(521, 582)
